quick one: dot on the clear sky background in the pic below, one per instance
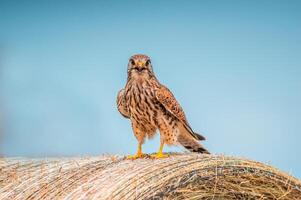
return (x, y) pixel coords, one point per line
(235, 67)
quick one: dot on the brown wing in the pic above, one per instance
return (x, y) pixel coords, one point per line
(166, 98)
(121, 105)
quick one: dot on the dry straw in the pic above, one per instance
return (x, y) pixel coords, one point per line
(181, 176)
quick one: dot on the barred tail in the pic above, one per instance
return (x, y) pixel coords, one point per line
(197, 150)
(189, 142)
(195, 147)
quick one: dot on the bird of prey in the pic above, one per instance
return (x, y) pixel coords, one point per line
(151, 106)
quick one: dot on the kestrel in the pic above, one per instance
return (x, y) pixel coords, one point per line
(151, 106)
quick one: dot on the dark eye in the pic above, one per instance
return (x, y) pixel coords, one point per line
(132, 61)
(147, 63)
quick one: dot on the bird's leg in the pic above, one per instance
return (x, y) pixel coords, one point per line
(139, 153)
(160, 152)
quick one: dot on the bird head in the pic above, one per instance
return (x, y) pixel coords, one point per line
(140, 65)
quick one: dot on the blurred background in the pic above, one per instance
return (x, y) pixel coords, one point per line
(235, 67)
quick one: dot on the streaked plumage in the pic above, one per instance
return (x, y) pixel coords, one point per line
(151, 106)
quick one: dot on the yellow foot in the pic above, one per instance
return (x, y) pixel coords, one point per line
(159, 155)
(138, 155)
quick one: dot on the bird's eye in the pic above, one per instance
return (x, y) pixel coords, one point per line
(147, 63)
(132, 61)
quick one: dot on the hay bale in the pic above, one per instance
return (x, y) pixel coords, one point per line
(181, 176)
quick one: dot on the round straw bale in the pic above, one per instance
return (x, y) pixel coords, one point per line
(181, 176)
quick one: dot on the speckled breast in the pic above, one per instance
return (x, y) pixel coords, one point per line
(142, 105)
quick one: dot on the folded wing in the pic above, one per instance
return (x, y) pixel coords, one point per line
(166, 98)
(121, 105)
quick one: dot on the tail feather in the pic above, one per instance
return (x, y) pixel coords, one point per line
(192, 133)
(197, 150)
(190, 143)
(199, 137)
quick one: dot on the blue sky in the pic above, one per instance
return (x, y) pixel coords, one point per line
(235, 67)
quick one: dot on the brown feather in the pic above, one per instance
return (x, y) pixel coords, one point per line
(190, 143)
(167, 99)
(121, 105)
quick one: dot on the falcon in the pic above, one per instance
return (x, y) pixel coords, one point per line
(151, 106)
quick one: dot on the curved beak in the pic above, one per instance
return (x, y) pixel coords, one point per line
(140, 64)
